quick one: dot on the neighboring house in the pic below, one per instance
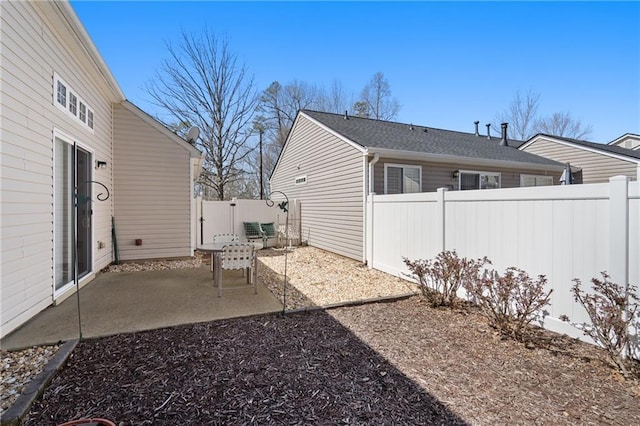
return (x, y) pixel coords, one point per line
(64, 119)
(628, 140)
(590, 162)
(330, 162)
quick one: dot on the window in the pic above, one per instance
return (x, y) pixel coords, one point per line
(301, 180)
(73, 104)
(478, 180)
(62, 94)
(535, 180)
(76, 108)
(402, 179)
(83, 113)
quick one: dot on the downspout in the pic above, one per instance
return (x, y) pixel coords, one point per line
(367, 220)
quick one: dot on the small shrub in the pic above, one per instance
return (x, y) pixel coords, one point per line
(510, 301)
(440, 279)
(611, 309)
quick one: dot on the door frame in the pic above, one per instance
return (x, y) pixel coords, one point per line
(67, 287)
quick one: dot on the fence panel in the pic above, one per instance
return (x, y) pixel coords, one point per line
(562, 232)
(222, 217)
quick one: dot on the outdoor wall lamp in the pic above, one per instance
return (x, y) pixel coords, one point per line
(455, 174)
(101, 164)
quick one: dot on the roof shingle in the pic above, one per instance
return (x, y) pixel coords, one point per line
(372, 134)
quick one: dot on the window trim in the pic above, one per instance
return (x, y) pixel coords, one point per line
(69, 92)
(480, 173)
(524, 175)
(403, 166)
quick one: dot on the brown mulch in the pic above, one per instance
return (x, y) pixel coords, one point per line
(385, 363)
(302, 368)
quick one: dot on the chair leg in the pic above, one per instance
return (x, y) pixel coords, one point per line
(255, 277)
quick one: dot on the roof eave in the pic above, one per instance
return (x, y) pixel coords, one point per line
(66, 10)
(441, 158)
(579, 146)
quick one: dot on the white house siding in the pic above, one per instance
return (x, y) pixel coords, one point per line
(332, 199)
(152, 189)
(35, 44)
(439, 175)
(596, 167)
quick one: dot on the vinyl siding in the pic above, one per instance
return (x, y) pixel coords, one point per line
(439, 175)
(31, 39)
(596, 168)
(331, 201)
(152, 189)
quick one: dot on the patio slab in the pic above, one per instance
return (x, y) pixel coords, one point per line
(125, 302)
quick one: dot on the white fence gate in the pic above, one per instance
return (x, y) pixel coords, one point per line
(562, 232)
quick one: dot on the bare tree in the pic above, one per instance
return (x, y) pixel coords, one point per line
(202, 84)
(376, 100)
(521, 115)
(336, 99)
(563, 124)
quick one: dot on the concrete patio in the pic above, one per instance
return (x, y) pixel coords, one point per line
(125, 302)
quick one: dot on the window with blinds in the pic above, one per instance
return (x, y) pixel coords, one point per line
(402, 179)
(535, 180)
(478, 180)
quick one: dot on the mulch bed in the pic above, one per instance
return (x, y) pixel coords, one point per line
(385, 363)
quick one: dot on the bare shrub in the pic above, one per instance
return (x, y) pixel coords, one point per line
(510, 301)
(440, 279)
(611, 309)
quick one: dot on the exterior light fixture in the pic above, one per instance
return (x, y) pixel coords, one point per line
(101, 164)
(455, 174)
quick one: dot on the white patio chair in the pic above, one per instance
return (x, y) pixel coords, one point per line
(224, 238)
(236, 256)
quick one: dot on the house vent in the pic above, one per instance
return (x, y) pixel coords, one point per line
(488, 130)
(503, 141)
(476, 123)
(346, 115)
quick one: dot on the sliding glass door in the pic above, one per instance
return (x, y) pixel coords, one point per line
(72, 215)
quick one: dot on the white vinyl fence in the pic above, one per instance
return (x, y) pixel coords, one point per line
(562, 232)
(226, 217)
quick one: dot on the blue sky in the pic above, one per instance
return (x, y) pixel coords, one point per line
(448, 63)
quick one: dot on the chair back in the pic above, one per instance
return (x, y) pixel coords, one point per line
(225, 238)
(237, 256)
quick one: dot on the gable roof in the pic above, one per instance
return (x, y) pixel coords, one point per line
(610, 150)
(623, 137)
(387, 136)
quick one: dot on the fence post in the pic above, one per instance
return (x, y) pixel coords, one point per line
(619, 229)
(441, 219)
(369, 231)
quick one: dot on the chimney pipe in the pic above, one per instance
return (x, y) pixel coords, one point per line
(503, 141)
(346, 114)
(476, 123)
(488, 130)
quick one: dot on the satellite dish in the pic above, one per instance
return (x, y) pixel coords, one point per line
(193, 134)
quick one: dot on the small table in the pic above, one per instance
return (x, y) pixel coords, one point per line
(214, 248)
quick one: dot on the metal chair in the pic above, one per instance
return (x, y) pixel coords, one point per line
(236, 256)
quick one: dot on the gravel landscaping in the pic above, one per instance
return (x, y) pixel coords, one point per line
(399, 362)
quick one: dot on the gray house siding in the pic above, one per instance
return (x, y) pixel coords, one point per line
(332, 199)
(596, 167)
(440, 175)
(152, 188)
(36, 44)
